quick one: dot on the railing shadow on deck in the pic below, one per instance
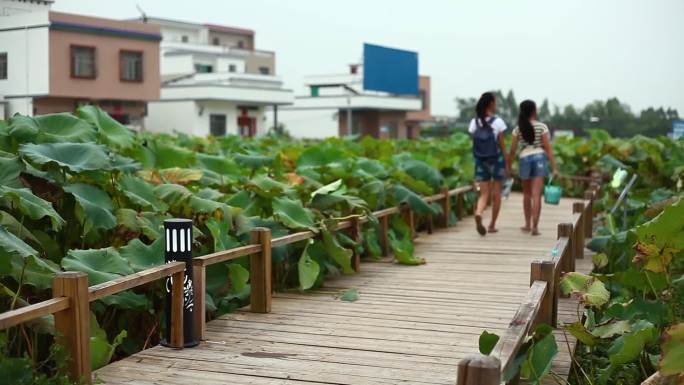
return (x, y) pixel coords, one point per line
(72, 296)
(541, 302)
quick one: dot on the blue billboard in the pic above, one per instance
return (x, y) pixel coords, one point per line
(390, 70)
(677, 129)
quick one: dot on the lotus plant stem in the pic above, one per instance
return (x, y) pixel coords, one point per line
(29, 345)
(650, 284)
(21, 282)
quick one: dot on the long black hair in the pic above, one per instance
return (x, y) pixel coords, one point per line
(527, 110)
(481, 107)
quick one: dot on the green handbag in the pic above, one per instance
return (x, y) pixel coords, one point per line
(552, 194)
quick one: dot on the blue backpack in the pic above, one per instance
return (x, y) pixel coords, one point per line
(484, 141)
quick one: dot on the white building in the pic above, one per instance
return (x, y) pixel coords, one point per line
(214, 81)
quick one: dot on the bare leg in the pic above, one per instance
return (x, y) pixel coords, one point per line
(537, 186)
(527, 203)
(496, 204)
(481, 205)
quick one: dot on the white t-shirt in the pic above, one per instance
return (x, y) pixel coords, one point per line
(498, 125)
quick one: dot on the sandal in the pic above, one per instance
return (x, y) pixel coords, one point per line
(535, 232)
(478, 225)
(525, 229)
(492, 230)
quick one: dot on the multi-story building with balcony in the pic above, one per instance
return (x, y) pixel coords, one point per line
(54, 62)
(213, 81)
(338, 105)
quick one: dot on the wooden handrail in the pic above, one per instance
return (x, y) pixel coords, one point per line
(133, 280)
(226, 255)
(31, 312)
(509, 343)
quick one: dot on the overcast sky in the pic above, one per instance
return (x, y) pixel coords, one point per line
(572, 51)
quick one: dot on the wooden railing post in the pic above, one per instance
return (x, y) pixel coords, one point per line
(589, 214)
(545, 271)
(578, 246)
(260, 271)
(177, 338)
(355, 235)
(200, 281)
(460, 208)
(384, 234)
(73, 323)
(565, 230)
(409, 218)
(446, 206)
(478, 369)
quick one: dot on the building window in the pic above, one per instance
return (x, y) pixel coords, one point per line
(204, 68)
(216, 41)
(3, 65)
(232, 68)
(184, 38)
(83, 63)
(423, 100)
(241, 44)
(131, 66)
(217, 124)
(264, 70)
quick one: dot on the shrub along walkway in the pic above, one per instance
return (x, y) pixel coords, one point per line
(410, 325)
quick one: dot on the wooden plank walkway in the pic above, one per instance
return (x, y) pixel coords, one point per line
(411, 324)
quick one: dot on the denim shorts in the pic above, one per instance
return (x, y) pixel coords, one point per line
(488, 169)
(532, 166)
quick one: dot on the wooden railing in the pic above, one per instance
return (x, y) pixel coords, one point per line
(72, 296)
(540, 305)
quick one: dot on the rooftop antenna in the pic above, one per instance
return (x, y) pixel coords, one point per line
(143, 16)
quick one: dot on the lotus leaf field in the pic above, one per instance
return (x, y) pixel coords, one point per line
(83, 192)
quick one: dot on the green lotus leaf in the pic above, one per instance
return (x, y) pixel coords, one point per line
(76, 157)
(672, 359)
(586, 288)
(628, 347)
(666, 230)
(94, 207)
(101, 351)
(32, 206)
(254, 160)
(102, 265)
(110, 131)
(293, 215)
(307, 269)
(10, 168)
(11, 245)
(422, 171)
(322, 155)
(167, 155)
(612, 328)
(51, 128)
(339, 254)
(538, 363)
(238, 276)
(350, 295)
(487, 342)
(17, 228)
(141, 193)
(176, 175)
(415, 201)
(220, 232)
(173, 195)
(267, 187)
(221, 165)
(141, 256)
(581, 333)
(403, 250)
(148, 223)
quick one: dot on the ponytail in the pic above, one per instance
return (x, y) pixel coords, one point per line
(481, 107)
(527, 110)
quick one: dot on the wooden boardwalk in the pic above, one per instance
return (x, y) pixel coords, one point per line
(411, 324)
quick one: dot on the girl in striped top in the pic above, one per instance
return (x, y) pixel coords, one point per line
(531, 140)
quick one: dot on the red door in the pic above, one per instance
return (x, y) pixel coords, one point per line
(246, 124)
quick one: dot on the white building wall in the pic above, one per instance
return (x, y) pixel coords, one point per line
(223, 65)
(310, 123)
(8, 8)
(173, 33)
(22, 106)
(176, 65)
(27, 51)
(208, 107)
(169, 117)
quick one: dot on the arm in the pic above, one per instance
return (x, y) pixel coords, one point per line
(514, 146)
(502, 145)
(549, 152)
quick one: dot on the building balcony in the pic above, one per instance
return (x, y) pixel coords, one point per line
(171, 47)
(236, 89)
